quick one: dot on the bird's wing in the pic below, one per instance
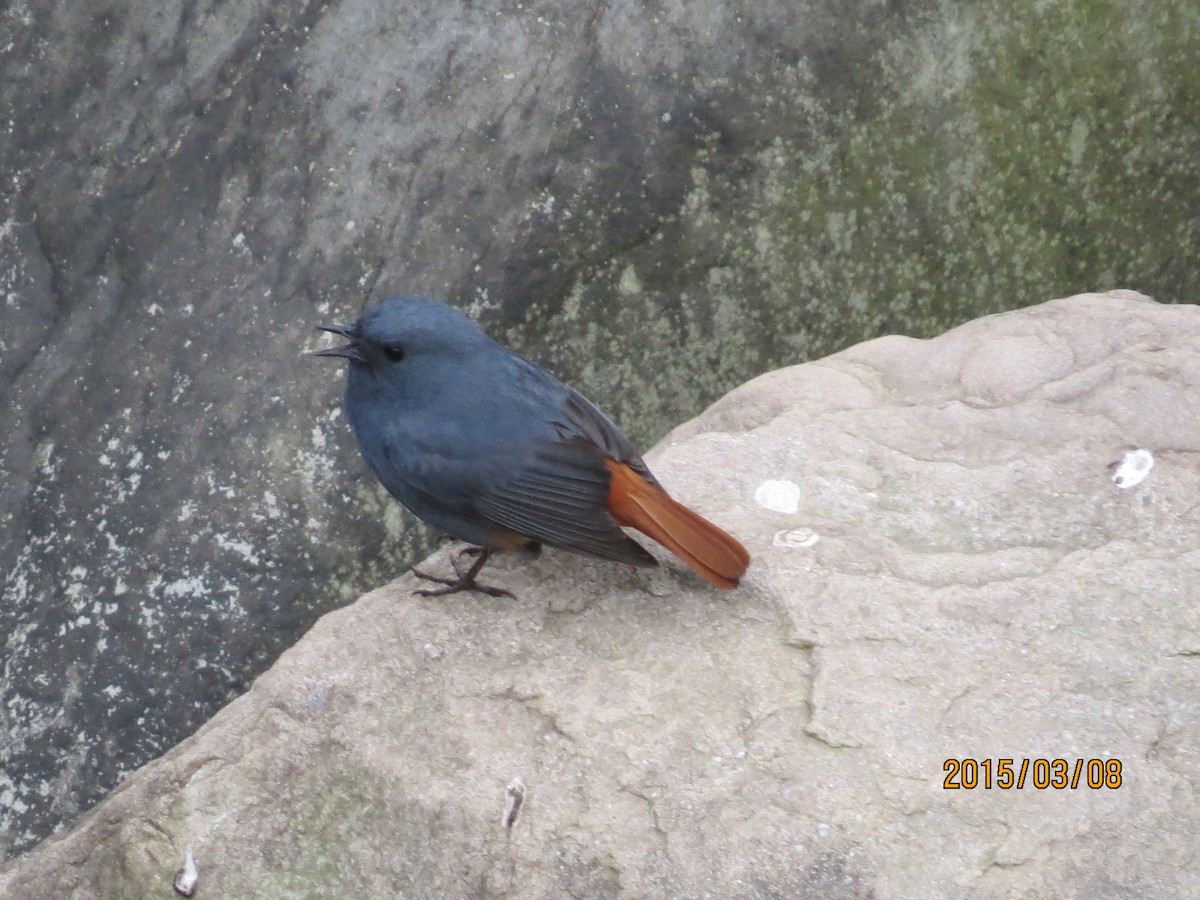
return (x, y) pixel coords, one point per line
(558, 497)
(582, 418)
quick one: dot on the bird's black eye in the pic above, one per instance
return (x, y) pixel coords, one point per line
(394, 353)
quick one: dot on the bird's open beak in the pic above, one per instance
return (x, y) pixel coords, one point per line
(350, 351)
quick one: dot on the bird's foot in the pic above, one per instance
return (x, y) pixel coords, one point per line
(454, 585)
(464, 581)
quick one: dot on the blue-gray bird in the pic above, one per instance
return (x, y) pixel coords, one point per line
(493, 450)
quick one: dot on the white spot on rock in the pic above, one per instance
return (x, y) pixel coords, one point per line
(629, 283)
(796, 537)
(1132, 468)
(47, 465)
(244, 549)
(187, 878)
(778, 496)
(393, 521)
(186, 587)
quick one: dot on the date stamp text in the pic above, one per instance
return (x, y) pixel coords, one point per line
(1008, 774)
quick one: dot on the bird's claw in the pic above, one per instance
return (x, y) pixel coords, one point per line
(454, 585)
(464, 581)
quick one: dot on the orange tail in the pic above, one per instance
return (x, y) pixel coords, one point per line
(635, 502)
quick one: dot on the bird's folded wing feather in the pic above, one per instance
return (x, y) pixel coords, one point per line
(582, 418)
(559, 498)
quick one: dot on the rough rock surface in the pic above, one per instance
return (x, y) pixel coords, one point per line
(661, 199)
(954, 574)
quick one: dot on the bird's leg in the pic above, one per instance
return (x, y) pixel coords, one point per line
(465, 580)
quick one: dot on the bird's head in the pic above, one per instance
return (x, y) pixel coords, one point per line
(405, 329)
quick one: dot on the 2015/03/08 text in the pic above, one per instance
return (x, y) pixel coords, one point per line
(1006, 774)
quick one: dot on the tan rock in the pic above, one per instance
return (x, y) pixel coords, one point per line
(960, 578)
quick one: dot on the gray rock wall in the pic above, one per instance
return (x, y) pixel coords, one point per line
(659, 200)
